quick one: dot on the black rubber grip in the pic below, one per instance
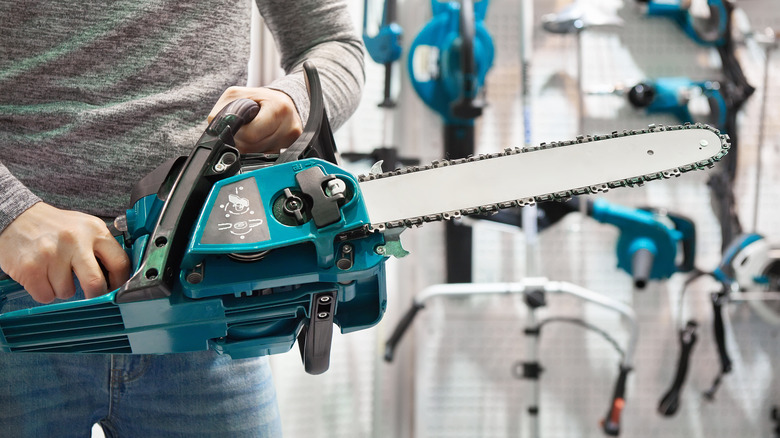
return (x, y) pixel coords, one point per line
(234, 115)
(670, 402)
(611, 423)
(400, 329)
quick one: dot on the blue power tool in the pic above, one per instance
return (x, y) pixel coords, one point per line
(207, 272)
(384, 47)
(674, 95)
(449, 59)
(707, 32)
(649, 239)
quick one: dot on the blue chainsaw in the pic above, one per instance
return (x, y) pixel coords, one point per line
(245, 254)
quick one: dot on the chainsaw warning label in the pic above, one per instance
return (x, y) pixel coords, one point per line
(238, 216)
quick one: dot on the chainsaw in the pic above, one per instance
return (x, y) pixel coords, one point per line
(247, 254)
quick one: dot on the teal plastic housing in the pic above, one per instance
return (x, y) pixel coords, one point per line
(677, 11)
(645, 230)
(236, 307)
(443, 34)
(668, 99)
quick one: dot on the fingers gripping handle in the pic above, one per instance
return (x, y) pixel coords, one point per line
(234, 115)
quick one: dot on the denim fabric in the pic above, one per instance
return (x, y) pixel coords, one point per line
(188, 395)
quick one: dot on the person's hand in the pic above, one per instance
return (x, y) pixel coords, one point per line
(44, 246)
(275, 127)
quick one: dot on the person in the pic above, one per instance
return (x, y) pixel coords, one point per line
(94, 96)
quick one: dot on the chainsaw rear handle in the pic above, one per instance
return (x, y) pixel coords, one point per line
(670, 402)
(611, 423)
(400, 329)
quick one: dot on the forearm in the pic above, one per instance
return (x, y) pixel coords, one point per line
(323, 33)
(15, 198)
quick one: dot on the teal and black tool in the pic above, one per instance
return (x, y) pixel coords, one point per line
(653, 243)
(450, 58)
(650, 240)
(384, 47)
(674, 95)
(207, 272)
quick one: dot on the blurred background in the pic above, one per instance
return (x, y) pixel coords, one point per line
(560, 69)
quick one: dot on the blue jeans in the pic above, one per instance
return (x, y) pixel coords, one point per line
(188, 395)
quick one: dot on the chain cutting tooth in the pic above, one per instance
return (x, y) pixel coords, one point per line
(580, 191)
(673, 173)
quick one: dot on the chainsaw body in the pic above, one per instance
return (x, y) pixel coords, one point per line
(242, 306)
(242, 259)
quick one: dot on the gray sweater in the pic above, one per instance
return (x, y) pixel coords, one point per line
(95, 94)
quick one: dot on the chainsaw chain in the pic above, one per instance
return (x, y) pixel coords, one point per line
(558, 196)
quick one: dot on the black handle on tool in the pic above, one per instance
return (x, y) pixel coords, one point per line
(400, 329)
(213, 158)
(718, 300)
(316, 140)
(467, 107)
(719, 327)
(642, 266)
(688, 229)
(314, 340)
(611, 424)
(670, 402)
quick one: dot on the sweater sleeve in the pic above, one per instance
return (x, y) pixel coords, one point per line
(15, 198)
(321, 32)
